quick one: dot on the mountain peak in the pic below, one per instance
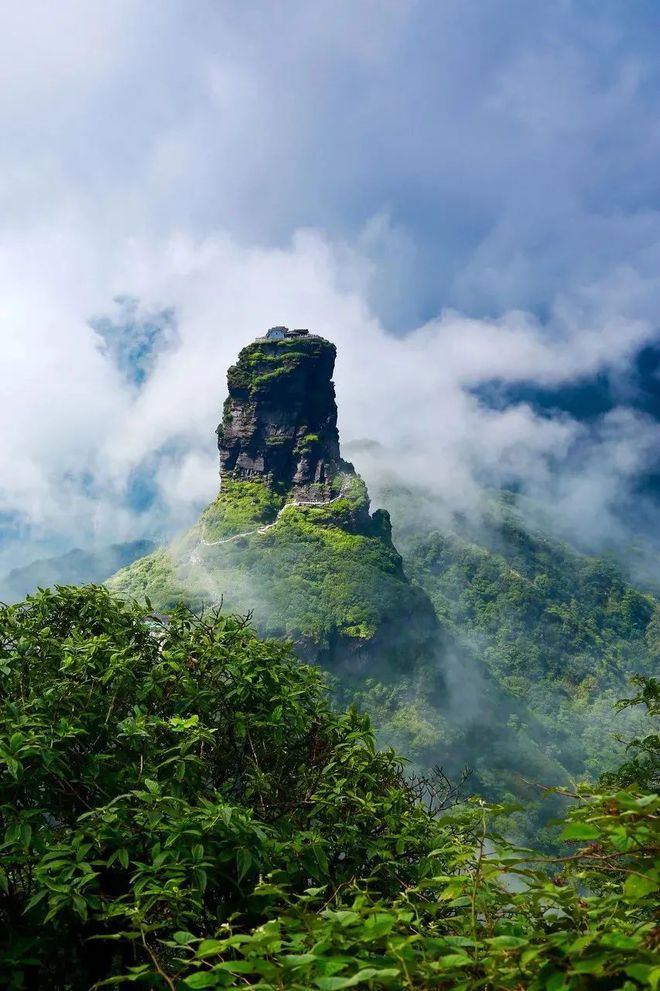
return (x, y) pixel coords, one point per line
(279, 421)
(290, 538)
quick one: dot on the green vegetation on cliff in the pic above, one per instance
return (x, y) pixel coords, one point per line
(261, 364)
(326, 576)
(240, 506)
(181, 808)
(279, 421)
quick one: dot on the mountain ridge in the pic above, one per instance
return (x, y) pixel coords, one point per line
(75, 566)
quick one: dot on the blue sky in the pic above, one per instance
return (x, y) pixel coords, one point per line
(413, 178)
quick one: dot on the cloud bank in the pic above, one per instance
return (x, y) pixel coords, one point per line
(453, 195)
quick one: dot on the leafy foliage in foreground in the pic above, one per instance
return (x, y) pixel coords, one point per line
(150, 774)
(590, 926)
(182, 809)
(497, 917)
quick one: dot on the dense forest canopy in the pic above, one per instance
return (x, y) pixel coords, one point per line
(182, 808)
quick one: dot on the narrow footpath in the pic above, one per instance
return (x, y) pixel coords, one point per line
(269, 526)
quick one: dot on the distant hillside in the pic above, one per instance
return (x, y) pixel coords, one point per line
(541, 640)
(76, 567)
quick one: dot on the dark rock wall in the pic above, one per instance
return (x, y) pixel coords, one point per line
(280, 418)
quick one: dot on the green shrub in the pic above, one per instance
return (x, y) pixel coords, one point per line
(494, 919)
(151, 773)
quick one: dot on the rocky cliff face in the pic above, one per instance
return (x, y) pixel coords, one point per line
(280, 418)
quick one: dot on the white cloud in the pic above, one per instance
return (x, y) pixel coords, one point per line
(79, 433)
(355, 168)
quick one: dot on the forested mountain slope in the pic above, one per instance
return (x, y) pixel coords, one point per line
(545, 639)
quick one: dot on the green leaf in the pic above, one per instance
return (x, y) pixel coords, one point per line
(298, 959)
(38, 897)
(13, 766)
(80, 906)
(378, 924)
(620, 941)
(579, 831)
(555, 981)
(334, 983)
(640, 971)
(638, 886)
(454, 960)
(183, 938)
(243, 862)
(238, 966)
(205, 979)
(210, 947)
(507, 942)
(591, 965)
